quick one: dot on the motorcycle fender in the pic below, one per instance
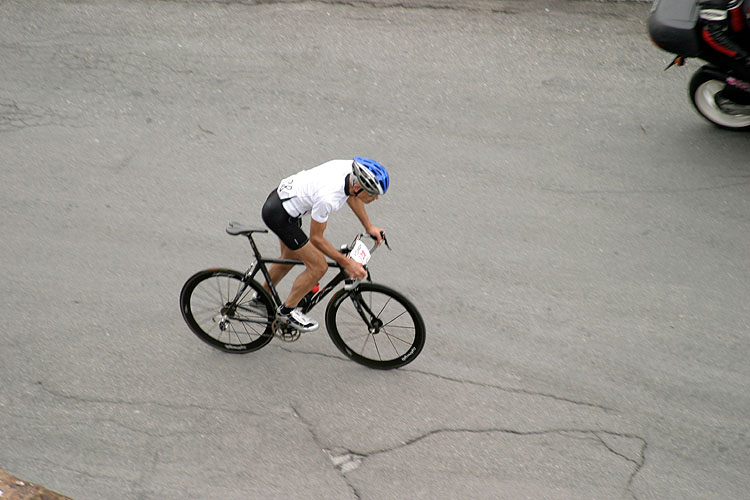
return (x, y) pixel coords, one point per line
(673, 26)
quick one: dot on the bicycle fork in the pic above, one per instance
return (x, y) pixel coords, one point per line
(374, 324)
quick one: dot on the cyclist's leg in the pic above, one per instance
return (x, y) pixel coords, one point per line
(278, 271)
(315, 267)
(288, 229)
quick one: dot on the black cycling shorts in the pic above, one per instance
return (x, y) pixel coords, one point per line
(287, 228)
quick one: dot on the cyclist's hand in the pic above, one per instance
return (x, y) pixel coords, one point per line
(377, 233)
(355, 269)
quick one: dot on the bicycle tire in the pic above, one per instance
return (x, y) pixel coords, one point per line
(399, 331)
(204, 299)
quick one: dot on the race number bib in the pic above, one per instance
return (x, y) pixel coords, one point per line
(360, 253)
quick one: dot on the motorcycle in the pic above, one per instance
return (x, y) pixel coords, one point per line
(715, 92)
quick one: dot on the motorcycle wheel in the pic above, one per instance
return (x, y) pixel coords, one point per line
(704, 86)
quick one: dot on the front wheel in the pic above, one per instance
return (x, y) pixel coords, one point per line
(705, 85)
(226, 312)
(375, 326)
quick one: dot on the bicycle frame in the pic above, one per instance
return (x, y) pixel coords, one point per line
(260, 265)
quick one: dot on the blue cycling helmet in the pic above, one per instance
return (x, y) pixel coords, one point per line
(371, 175)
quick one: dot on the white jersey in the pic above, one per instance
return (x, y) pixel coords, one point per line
(318, 191)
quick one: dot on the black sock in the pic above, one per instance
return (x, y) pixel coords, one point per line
(284, 309)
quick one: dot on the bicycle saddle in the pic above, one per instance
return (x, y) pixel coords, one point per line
(235, 228)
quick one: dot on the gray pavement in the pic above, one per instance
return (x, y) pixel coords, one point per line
(574, 234)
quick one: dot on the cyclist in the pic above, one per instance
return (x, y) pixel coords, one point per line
(319, 191)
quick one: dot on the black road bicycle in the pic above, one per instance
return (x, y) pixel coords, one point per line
(370, 323)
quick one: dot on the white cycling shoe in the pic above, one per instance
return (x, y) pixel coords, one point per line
(297, 320)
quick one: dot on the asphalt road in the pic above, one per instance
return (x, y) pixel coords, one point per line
(575, 236)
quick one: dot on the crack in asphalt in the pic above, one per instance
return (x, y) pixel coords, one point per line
(515, 390)
(349, 460)
(512, 390)
(319, 443)
(137, 485)
(161, 404)
(15, 116)
(638, 463)
(346, 460)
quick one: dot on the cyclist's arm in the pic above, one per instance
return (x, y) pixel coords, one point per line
(352, 268)
(359, 210)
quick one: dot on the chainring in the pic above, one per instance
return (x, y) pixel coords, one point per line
(284, 331)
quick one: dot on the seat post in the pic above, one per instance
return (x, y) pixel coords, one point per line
(253, 245)
(259, 265)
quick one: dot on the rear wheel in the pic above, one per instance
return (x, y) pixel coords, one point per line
(375, 326)
(705, 85)
(208, 307)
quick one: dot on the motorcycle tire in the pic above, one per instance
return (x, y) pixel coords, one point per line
(705, 85)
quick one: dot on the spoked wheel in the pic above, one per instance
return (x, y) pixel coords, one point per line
(375, 326)
(704, 89)
(206, 304)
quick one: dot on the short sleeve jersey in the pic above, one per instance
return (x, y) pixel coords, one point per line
(318, 191)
